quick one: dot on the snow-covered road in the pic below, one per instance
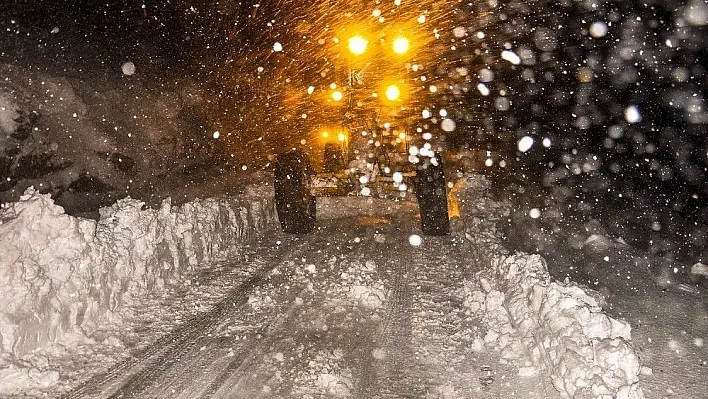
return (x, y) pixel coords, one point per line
(353, 310)
(364, 307)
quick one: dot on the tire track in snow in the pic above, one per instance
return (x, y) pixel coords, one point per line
(130, 377)
(386, 368)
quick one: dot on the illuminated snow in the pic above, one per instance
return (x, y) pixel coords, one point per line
(502, 103)
(632, 115)
(511, 57)
(397, 177)
(525, 143)
(483, 89)
(459, 32)
(544, 39)
(486, 75)
(550, 326)
(146, 249)
(623, 67)
(447, 125)
(598, 29)
(696, 12)
(128, 68)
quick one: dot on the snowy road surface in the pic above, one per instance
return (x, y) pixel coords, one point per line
(352, 310)
(363, 307)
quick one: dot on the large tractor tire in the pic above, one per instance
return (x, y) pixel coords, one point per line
(293, 201)
(431, 194)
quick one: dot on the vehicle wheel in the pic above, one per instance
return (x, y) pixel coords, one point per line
(293, 201)
(432, 197)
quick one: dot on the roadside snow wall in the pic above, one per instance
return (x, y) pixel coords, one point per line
(548, 327)
(59, 275)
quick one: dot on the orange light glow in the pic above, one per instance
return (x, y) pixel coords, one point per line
(393, 93)
(358, 44)
(401, 45)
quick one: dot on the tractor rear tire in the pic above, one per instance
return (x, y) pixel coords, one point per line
(431, 194)
(295, 206)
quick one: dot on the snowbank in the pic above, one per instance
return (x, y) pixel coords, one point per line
(548, 327)
(59, 275)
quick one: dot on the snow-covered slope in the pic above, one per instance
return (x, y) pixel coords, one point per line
(91, 140)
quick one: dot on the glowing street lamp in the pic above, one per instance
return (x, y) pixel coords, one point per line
(401, 45)
(357, 45)
(337, 95)
(393, 93)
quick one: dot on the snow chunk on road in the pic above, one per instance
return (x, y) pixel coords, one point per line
(35, 378)
(335, 385)
(367, 297)
(325, 372)
(362, 288)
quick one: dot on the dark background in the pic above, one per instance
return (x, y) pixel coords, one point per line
(570, 88)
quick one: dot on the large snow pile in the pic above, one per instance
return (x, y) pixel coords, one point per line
(61, 275)
(546, 326)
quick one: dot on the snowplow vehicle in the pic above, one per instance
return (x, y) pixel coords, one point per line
(373, 173)
(374, 149)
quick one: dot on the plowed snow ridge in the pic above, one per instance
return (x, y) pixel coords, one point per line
(555, 328)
